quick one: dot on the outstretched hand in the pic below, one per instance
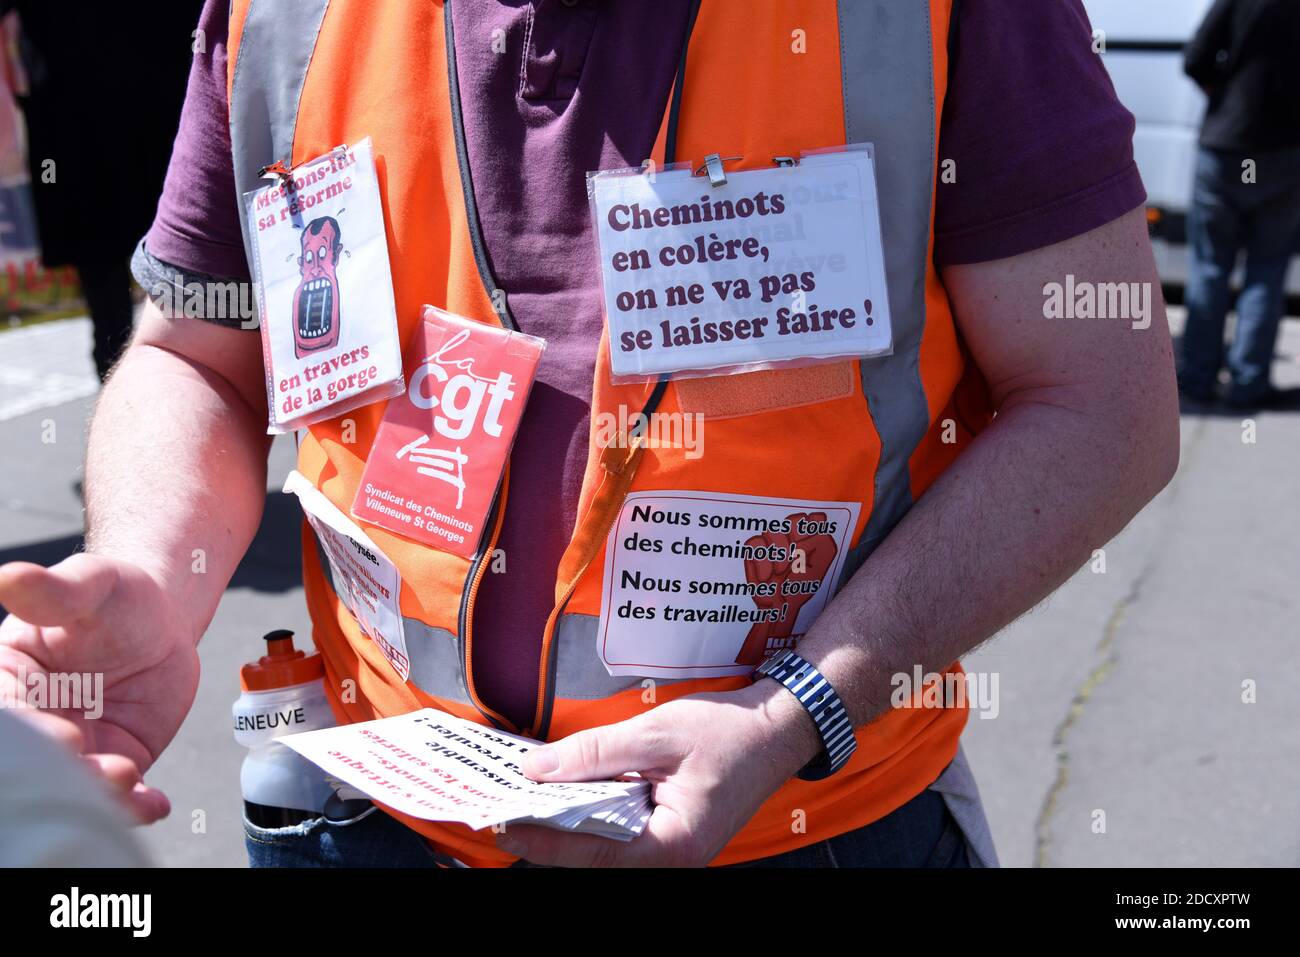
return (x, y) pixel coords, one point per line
(108, 629)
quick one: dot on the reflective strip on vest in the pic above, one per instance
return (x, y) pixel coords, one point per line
(889, 100)
(434, 653)
(579, 672)
(267, 85)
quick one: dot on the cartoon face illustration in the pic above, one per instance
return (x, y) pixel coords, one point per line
(316, 300)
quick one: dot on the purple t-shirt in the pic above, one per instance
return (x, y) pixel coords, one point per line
(1043, 152)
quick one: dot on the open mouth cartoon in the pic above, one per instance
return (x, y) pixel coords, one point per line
(316, 300)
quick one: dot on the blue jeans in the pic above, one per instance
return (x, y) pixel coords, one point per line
(921, 833)
(1229, 216)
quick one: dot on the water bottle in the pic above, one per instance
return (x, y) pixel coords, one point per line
(283, 693)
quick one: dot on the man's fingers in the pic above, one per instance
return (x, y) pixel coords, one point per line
(117, 770)
(147, 804)
(600, 753)
(63, 593)
(666, 842)
(123, 776)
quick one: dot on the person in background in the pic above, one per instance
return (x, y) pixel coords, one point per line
(104, 96)
(1246, 194)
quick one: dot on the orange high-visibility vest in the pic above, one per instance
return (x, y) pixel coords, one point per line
(759, 80)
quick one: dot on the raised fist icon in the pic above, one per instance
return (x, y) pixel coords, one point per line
(808, 549)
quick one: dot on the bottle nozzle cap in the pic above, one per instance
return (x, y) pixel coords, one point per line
(282, 666)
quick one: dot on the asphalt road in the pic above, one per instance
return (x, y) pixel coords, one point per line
(1121, 736)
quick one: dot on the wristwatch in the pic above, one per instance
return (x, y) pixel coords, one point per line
(821, 702)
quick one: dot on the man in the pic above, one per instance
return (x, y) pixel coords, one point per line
(92, 203)
(488, 118)
(1246, 195)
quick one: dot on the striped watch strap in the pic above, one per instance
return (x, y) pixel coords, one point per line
(821, 702)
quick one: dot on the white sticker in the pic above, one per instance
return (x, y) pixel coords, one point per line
(329, 324)
(366, 581)
(708, 584)
(778, 265)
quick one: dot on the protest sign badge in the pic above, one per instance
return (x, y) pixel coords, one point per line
(706, 277)
(441, 449)
(707, 584)
(362, 575)
(740, 271)
(324, 288)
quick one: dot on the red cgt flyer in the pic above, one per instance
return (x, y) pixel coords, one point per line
(442, 445)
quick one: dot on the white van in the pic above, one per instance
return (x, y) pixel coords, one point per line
(1144, 54)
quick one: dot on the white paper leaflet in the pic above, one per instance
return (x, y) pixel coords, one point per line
(777, 265)
(707, 584)
(436, 767)
(364, 578)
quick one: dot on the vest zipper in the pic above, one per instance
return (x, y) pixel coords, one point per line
(546, 670)
(625, 472)
(546, 677)
(465, 620)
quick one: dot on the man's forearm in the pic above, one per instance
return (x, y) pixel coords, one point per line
(175, 475)
(1053, 478)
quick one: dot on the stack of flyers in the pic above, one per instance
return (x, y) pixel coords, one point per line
(431, 765)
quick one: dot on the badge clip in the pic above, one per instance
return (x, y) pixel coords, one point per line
(713, 165)
(278, 169)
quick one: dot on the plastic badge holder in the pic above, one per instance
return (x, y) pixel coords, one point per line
(441, 449)
(324, 289)
(709, 272)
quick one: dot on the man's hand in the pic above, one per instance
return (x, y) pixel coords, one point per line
(94, 615)
(712, 760)
(185, 406)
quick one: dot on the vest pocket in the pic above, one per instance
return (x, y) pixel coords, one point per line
(767, 390)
